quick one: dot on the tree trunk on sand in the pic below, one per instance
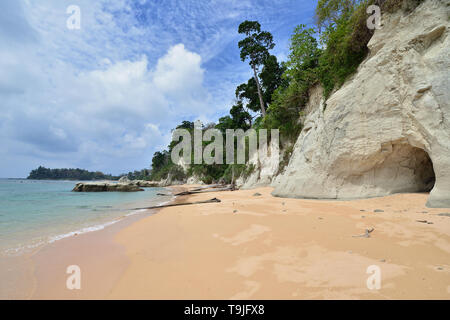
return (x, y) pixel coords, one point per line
(213, 200)
(261, 101)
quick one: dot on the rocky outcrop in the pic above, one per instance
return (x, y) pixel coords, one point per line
(387, 129)
(124, 185)
(144, 183)
(268, 168)
(169, 181)
(105, 187)
(194, 180)
(124, 179)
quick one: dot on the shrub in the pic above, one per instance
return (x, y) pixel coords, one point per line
(300, 74)
(346, 47)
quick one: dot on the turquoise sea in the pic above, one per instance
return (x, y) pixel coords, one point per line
(36, 212)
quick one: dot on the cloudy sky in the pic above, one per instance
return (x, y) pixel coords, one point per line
(105, 96)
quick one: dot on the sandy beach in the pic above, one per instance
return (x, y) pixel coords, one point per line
(208, 150)
(256, 246)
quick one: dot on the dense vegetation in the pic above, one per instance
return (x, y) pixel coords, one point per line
(326, 54)
(43, 173)
(143, 174)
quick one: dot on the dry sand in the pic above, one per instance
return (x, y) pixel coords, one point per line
(259, 247)
(262, 247)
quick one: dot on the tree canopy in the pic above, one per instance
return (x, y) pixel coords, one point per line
(257, 43)
(330, 11)
(255, 48)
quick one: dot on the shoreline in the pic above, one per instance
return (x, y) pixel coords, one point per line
(252, 246)
(101, 260)
(19, 270)
(101, 216)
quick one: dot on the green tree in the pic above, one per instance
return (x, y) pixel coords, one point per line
(255, 47)
(300, 75)
(239, 119)
(329, 12)
(42, 173)
(159, 160)
(186, 125)
(345, 40)
(271, 79)
(247, 93)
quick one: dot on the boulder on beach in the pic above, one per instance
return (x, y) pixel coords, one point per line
(144, 183)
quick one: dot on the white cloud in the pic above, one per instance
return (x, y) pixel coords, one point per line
(111, 116)
(114, 111)
(106, 96)
(178, 70)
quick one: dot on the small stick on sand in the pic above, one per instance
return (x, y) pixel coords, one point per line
(365, 235)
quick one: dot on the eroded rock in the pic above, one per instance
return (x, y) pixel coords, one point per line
(387, 130)
(105, 187)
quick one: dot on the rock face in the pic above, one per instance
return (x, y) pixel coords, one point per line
(139, 183)
(267, 168)
(124, 179)
(194, 180)
(387, 129)
(105, 187)
(144, 183)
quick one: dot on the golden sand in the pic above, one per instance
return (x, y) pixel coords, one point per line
(261, 247)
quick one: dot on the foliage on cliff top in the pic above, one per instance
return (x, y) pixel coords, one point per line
(327, 54)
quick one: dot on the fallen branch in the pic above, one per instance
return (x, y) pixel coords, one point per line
(424, 221)
(208, 187)
(185, 193)
(365, 235)
(213, 200)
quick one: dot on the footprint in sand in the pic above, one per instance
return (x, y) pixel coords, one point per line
(246, 235)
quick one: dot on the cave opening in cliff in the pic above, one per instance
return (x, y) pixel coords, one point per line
(406, 169)
(423, 170)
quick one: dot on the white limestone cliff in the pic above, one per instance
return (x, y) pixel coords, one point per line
(387, 129)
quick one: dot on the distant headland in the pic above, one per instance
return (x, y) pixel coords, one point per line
(43, 173)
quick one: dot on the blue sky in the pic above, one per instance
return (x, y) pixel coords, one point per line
(105, 97)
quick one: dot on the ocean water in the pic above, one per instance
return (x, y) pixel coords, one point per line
(36, 212)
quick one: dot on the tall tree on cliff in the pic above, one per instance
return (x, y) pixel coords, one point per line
(270, 79)
(255, 47)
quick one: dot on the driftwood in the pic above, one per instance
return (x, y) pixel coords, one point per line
(185, 193)
(214, 187)
(365, 235)
(208, 187)
(213, 200)
(424, 221)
